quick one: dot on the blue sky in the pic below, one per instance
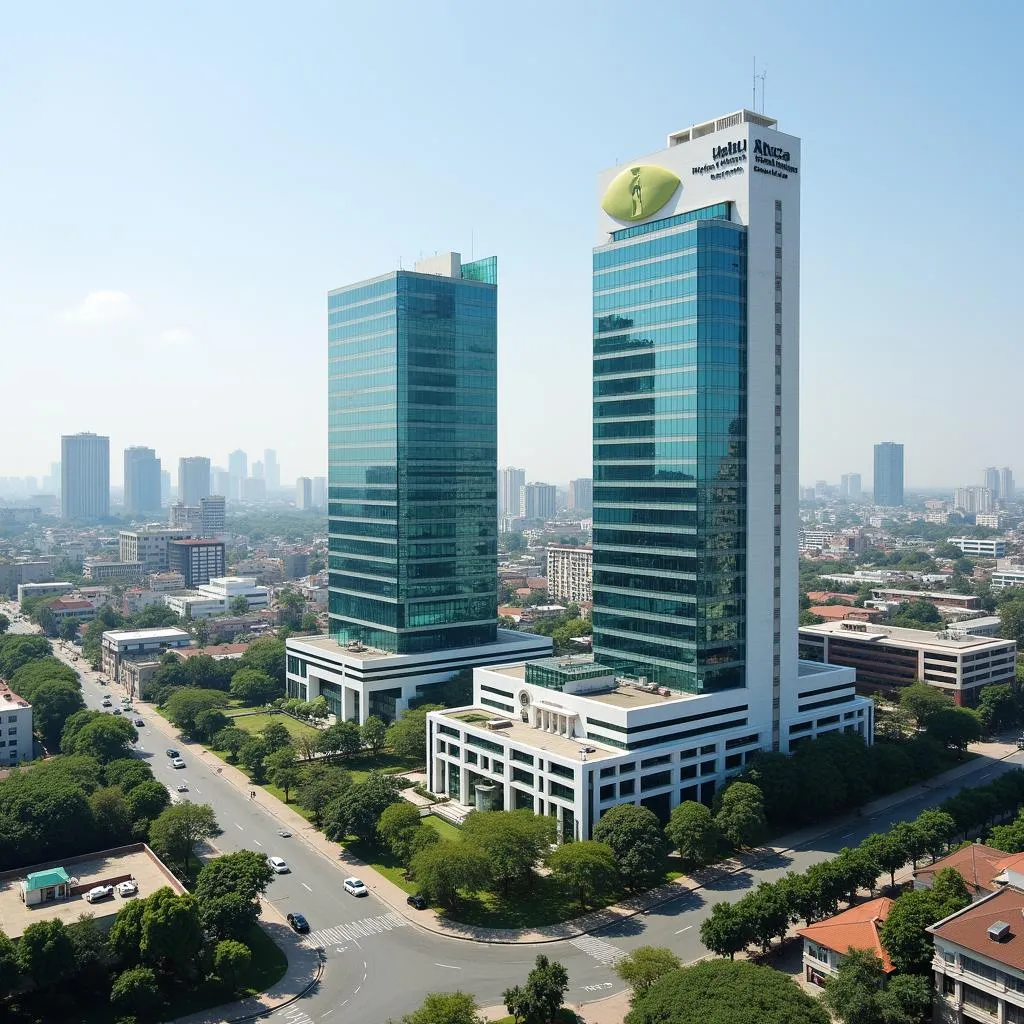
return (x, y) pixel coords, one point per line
(181, 183)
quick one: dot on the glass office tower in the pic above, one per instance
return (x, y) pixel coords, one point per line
(412, 477)
(670, 366)
(888, 480)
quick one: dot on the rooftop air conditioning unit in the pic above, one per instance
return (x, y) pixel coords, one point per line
(999, 932)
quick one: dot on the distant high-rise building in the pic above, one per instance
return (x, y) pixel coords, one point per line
(254, 488)
(212, 518)
(165, 486)
(197, 560)
(193, 479)
(581, 494)
(238, 470)
(51, 483)
(271, 470)
(141, 480)
(304, 493)
(850, 486)
(510, 483)
(85, 476)
(991, 480)
(319, 496)
(973, 499)
(538, 501)
(257, 470)
(1006, 490)
(888, 481)
(220, 481)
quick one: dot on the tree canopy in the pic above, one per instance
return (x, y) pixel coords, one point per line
(638, 842)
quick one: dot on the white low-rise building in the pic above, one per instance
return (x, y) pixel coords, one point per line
(118, 646)
(215, 597)
(983, 547)
(359, 681)
(1002, 578)
(30, 590)
(15, 727)
(562, 736)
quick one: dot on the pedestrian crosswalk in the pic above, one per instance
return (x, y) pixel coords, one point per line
(342, 933)
(603, 952)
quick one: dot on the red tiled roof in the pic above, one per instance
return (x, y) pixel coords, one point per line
(68, 604)
(969, 928)
(856, 928)
(977, 864)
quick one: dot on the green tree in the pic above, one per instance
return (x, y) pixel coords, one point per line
(692, 831)
(360, 806)
(126, 932)
(145, 802)
(853, 993)
(1011, 623)
(444, 868)
(45, 953)
(4, 624)
(283, 769)
(92, 956)
(903, 934)
(740, 817)
(276, 735)
(135, 992)
(239, 878)
(35, 673)
(407, 737)
(373, 734)
(10, 969)
(267, 655)
(906, 999)
(396, 827)
(342, 738)
(645, 965)
(184, 706)
(725, 992)
(514, 841)
(52, 704)
(539, 999)
(16, 649)
(321, 785)
(638, 842)
(231, 740)
(446, 1008)
(112, 816)
(104, 737)
(231, 961)
(180, 828)
(209, 723)
(887, 852)
(588, 868)
(921, 701)
(126, 773)
(238, 605)
(726, 931)
(253, 687)
(172, 935)
(954, 727)
(253, 758)
(767, 911)
(937, 829)
(997, 708)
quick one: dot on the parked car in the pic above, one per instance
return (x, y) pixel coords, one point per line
(177, 762)
(298, 922)
(279, 864)
(139, 721)
(356, 887)
(284, 833)
(99, 892)
(117, 711)
(106, 702)
(171, 752)
(129, 888)
(417, 901)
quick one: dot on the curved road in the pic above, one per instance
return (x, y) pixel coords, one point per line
(380, 966)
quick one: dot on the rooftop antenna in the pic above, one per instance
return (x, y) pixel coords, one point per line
(758, 78)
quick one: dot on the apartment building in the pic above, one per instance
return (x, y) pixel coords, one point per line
(983, 547)
(197, 560)
(15, 727)
(570, 573)
(148, 545)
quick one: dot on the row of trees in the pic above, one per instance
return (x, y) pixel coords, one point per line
(156, 945)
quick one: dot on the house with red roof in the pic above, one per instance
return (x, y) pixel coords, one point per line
(827, 942)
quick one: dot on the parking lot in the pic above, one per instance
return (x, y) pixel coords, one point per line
(137, 862)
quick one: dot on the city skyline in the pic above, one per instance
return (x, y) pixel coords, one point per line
(191, 280)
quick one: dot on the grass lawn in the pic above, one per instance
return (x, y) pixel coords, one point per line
(258, 722)
(360, 767)
(383, 860)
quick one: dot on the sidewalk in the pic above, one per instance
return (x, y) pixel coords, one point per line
(395, 897)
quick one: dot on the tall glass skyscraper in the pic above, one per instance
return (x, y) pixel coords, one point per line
(141, 480)
(888, 481)
(85, 476)
(695, 299)
(412, 477)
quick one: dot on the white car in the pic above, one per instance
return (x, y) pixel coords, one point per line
(356, 887)
(130, 888)
(280, 865)
(99, 892)
(177, 762)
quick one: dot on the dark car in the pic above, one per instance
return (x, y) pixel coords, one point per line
(417, 901)
(172, 753)
(298, 922)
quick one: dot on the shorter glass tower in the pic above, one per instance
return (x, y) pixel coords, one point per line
(412, 484)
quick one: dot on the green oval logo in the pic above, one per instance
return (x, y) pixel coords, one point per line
(639, 192)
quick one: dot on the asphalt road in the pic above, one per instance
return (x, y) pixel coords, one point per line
(380, 966)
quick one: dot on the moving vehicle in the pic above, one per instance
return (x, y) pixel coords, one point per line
(417, 901)
(106, 702)
(139, 721)
(129, 888)
(99, 892)
(279, 864)
(117, 711)
(298, 922)
(284, 833)
(356, 887)
(171, 752)
(183, 788)
(177, 762)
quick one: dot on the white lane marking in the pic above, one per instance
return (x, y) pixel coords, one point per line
(198, 790)
(357, 991)
(846, 836)
(306, 887)
(257, 842)
(355, 930)
(326, 1012)
(449, 966)
(239, 827)
(603, 952)
(686, 929)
